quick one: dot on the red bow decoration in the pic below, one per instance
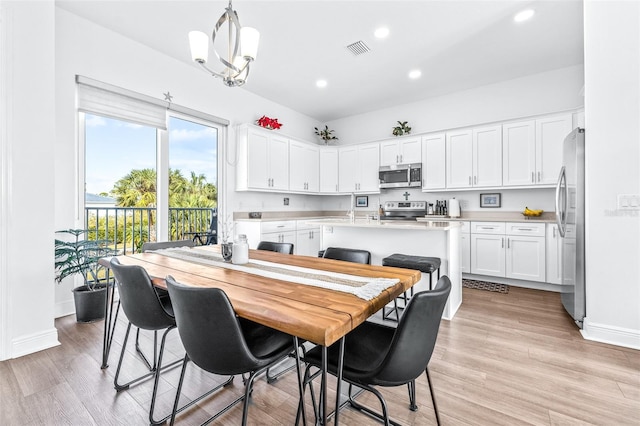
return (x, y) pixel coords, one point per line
(269, 123)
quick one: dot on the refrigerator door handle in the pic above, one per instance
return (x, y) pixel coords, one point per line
(561, 211)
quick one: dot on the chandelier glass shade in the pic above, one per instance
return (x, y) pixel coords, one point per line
(242, 48)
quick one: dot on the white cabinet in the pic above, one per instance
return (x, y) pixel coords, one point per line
(459, 158)
(474, 157)
(433, 161)
(465, 238)
(488, 248)
(308, 239)
(304, 168)
(526, 251)
(487, 156)
(553, 255)
(358, 168)
(532, 150)
(328, 170)
(263, 160)
(550, 134)
(400, 151)
(513, 250)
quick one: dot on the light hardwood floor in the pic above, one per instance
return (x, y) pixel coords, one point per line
(506, 359)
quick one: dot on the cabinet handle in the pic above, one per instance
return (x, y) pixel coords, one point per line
(397, 158)
(539, 177)
(554, 231)
(525, 229)
(502, 240)
(469, 180)
(336, 187)
(475, 180)
(401, 159)
(508, 243)
(533, 178)
(487, 227)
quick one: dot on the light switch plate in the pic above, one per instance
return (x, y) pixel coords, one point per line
(628, 201)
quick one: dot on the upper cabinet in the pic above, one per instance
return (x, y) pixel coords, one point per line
(433, 161)
(474, 157)
(358, 168)
(532, 150)
(400, 151)
(263, 160)
(329, 170)
(304, 170)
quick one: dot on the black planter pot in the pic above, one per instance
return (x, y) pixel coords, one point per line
(90, 303)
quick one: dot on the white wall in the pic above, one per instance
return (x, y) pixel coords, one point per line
(27, 191)
(612, 116)
(532, 95)
(87, 49)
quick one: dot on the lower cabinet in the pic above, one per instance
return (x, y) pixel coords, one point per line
(554, 251)
(512, 250)
(307, 241)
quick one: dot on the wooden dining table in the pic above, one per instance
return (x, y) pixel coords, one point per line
(319, 315)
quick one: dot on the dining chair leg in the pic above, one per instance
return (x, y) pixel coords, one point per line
(412, 395)
(433, 397)
(385, 413)
(300, 383)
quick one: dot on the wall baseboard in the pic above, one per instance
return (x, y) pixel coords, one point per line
(62, 309)
(29, 344)
(618, 336)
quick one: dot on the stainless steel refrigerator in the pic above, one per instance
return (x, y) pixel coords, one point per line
(570, 209)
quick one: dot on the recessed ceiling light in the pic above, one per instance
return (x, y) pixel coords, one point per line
(381, 32)
(321, 83)
(524, 15)
(413, 74)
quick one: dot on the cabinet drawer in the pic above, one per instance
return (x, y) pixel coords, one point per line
(529, 229)
(278, 226)
(487, 228)
(303, 225)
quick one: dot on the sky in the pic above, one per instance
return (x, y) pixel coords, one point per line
(114, 148)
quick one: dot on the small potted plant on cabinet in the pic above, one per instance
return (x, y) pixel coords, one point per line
(325, 134)
(78, 255)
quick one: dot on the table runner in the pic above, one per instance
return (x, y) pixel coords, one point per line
(366, 288)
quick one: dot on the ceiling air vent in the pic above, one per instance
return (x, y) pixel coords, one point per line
(358, 48)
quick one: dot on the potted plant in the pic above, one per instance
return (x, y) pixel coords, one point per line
(325, 134)
(401, 129)
(80, 256)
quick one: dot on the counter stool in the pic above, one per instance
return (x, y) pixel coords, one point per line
(422, 263)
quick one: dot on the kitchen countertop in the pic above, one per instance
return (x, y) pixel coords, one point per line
(476, 216)
(438, 225)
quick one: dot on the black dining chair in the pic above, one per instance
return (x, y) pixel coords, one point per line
(285, 248)
(348, 254)
(145, 310)
(209, 236)
(220, 342)
(378, 355)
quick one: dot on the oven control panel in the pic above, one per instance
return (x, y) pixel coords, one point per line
(405, 205)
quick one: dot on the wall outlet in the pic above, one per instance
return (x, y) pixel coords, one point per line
(286, 201)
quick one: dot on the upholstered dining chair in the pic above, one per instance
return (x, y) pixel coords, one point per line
(378, 355)
(348, 254)
(286, 248)
(145, 310)
(219, 342)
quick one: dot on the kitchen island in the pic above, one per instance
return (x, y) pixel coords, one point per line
(384, 238)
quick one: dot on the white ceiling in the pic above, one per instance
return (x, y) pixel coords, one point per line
(456, 44)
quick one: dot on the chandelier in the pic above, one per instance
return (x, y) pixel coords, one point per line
(241, 49)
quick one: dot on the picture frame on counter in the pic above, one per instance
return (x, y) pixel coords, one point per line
(491, 200)
(362, 201)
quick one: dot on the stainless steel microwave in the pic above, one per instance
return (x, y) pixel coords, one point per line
(401, 176)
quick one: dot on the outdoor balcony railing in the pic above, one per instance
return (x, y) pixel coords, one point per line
(125, 229)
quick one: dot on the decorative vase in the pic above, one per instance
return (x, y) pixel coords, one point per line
(227, 251)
